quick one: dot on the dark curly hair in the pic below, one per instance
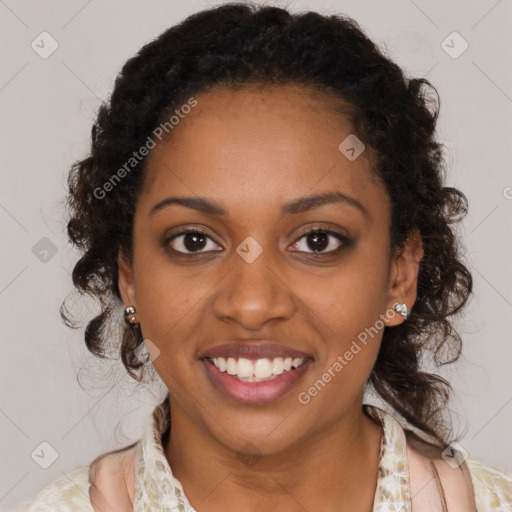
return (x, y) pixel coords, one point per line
(241, 44)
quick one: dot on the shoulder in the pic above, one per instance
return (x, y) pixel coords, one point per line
(439, 481)
(107, 484)
(463, 482)
(112, 480)
(493, 486)
(67, 493)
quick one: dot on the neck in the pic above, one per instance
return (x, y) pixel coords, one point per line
(334, 466)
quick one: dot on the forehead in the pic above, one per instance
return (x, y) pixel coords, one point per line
(275, 142)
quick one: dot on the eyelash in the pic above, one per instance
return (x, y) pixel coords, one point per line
(344, 241)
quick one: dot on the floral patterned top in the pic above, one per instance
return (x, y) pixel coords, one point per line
(156, 488)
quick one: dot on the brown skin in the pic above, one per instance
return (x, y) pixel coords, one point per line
(252, 151)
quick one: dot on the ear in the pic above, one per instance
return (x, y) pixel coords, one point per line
(404, 277)
(126, 281)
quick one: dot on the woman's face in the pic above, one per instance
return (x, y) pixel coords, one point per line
(254, 275)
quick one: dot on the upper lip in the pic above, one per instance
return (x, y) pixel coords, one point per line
(254, 350)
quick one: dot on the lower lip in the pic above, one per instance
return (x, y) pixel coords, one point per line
(255, 392)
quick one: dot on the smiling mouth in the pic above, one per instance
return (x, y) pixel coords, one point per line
(256, 370)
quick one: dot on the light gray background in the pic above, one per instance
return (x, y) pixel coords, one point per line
(47, 108)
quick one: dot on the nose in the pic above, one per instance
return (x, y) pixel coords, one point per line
(253, 294)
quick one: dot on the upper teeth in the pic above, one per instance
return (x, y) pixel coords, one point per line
(259, 368)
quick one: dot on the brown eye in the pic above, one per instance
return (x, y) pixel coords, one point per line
(320, 241)
(192, 241)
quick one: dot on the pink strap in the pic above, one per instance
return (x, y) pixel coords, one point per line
(435, 484)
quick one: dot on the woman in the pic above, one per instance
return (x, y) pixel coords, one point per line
(264, 198)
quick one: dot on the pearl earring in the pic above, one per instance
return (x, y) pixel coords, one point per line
(129, 315)
(401, 308)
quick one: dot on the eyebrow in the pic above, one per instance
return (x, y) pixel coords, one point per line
(298, 205)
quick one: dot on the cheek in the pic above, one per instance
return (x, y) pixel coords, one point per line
(169, 304)
(169, 297)
(348, 308)
(348, 316)
(170, 308)
(351, 297)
